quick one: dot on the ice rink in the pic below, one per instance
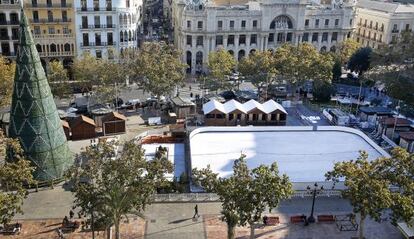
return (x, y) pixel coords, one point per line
(304, 154)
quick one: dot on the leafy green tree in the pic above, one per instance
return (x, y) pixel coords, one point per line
(7, 70)
(360, 61)
(114, 185)
(86, 71)
(366, 189)
(58, 79)
(246, 194)
(221, 65)
(15, 172)
(346, 49)
(322, 92)
(336, 71)
(399, 171)
(158, 68)
(260, 68)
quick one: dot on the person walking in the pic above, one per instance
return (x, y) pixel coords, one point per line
(196, 211)
(71, 214)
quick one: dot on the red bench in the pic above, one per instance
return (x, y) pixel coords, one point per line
(297, 219)
(326, 218)
(271, 221)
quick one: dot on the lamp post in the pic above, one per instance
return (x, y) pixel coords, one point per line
(311, 218)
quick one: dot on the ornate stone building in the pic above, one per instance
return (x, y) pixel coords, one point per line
(9, 27)
(243, 26)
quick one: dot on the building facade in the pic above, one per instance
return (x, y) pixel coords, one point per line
(243, 26)
(9, 27)
(53, 29)
(379, 23)
(105, 28)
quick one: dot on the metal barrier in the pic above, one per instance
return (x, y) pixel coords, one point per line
(212, 197)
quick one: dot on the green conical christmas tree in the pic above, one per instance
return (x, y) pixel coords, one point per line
(33, 116)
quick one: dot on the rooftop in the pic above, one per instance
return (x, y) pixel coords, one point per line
(387, 7)
(232, 105)
(376, 110)
(304, 154)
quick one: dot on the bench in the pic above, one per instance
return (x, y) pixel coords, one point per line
(297, 219)
(347, 226)
(326, 218)
(271, 221)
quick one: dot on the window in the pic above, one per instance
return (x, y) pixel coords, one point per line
(365, 22)
(50, 16)
(280, 37)
(219, 40)
(64, 16)
(324, 37)
(231, 116)
(34, 3)
(315, 37)
(108, 5)
(317, 23)
(200, 25)
(242, 39)
(189, 41)
(35, 16)
(243, 24)
(210, 116)
(336, 22)
(36, 30)
(289, 37)
(83, 5)
(253, 39)
(370, 24)
(238, 116)
(15, 33)
(255, 117)
(110, 38)
(85, 39)
(273, 117)
(219, 116)
(334, 36)
(188, 24)
(84, 22)
(231, 24)
(97, 21)
(271, 37)
(98, 39)
(49, 3)
(407, 27)
(109, 21)
(305, 37)
(376, 26)
(220, 25)
(254, 23)
(98, 54)
(326, 22)
(306, 22)
(96, 5)
(127, 3)
(350, 22)
(199, 40)
(380, 38)
(51, 30)
(230, 40)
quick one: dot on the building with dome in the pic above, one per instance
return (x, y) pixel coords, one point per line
(244, 26)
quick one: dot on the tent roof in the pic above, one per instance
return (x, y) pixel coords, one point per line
(232, 105)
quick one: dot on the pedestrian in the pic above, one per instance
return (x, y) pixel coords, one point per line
(196, 211)
(71, 214)
(189, 87)
(191, 94)
(60, 233)
(79, 215)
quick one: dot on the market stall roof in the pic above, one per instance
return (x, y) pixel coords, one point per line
(232, 105)
(398, 121)
(182, 102)
(376, 110)
(407, 135)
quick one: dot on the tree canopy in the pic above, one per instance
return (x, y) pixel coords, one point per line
(360, 60)
(346, 49)
(110, 186)
(7, 70)
(157, 68)
(58, 79)
(15, 172)
(220, 65)
(247, 193)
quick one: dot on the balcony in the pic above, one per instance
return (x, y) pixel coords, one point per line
(97, 44)
(54, 54)
(4, 38)
(9, 23)
(55, 5)
(395, 31)
(94, 9)
(50, 21)
(12, 54)
(54, 36)
(97, 26)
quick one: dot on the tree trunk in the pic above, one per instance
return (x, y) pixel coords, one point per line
(231, 231)
(252, 230)
(361, 226)
(117, 234)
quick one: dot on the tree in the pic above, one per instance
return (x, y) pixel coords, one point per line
(15, 172)
(112, 186)
(86, 71)
(7, 70)
(221, 65)
(399, 171)
(246, 194)
(58, 79)
(259, 67)
(346, 49)
(322, 92)
(336, 71)
(157, 68)
(360, 61)
(367, 191)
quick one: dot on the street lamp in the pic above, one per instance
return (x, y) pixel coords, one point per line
(315, 191)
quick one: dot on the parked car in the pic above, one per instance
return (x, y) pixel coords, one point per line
(228, 95)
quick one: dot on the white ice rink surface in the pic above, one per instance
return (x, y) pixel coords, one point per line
(304, 155)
